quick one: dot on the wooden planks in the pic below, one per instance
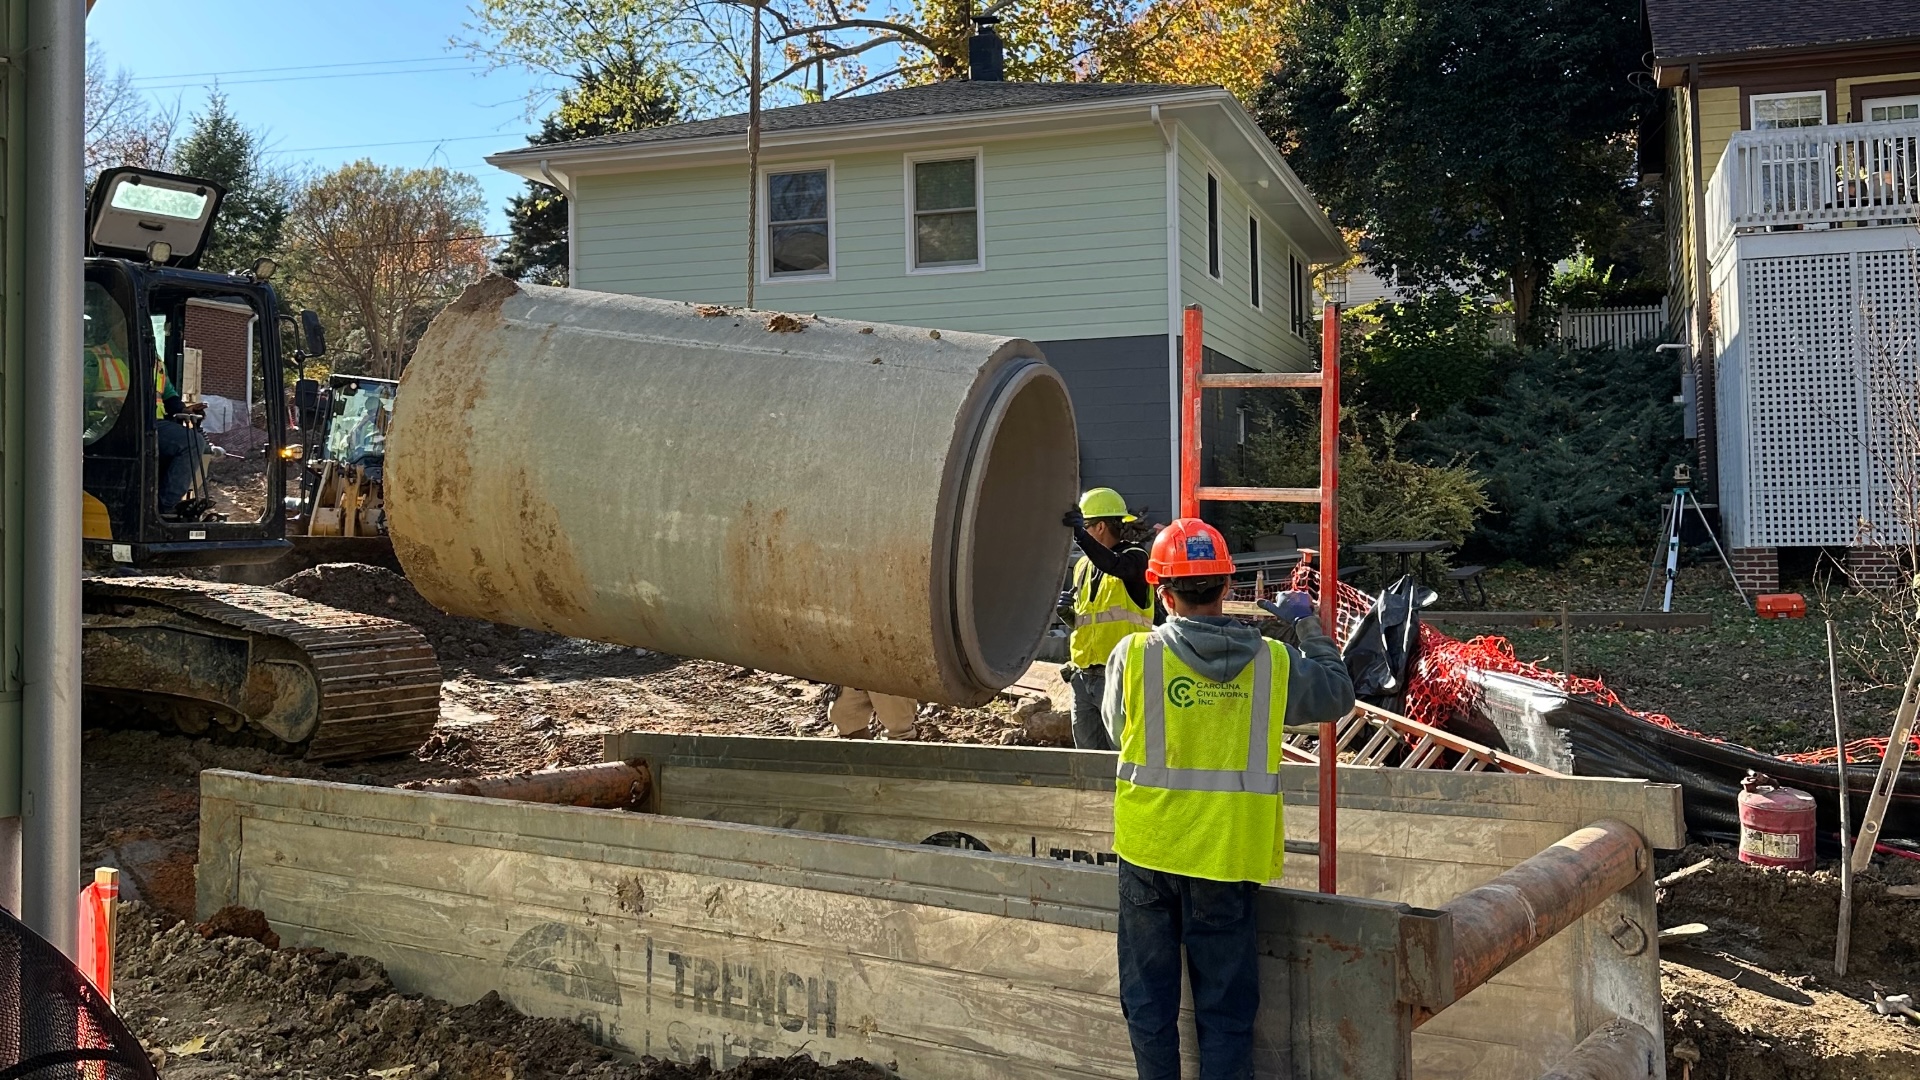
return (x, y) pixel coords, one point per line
(693, 939)
(1414, 836)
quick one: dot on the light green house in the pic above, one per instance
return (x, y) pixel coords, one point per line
(1083, 216)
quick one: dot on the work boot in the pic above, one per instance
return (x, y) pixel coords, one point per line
(862, 733)
(908, 735)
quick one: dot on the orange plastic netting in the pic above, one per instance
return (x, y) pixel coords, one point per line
(1442, 689)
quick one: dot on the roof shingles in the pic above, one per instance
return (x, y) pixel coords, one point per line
(1696, 29)
(908, 103)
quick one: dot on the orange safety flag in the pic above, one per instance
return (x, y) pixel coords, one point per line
(95, 953)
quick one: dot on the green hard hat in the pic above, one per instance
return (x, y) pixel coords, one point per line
(1103, 503)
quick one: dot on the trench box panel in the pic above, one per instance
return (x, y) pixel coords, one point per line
(1419, 837)
(693, 939)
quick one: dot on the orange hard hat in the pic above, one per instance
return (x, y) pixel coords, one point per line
(1188, 548)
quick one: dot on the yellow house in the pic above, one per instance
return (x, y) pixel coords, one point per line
(1792, 174)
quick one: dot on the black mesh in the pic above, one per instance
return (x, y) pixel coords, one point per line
(53, 1024)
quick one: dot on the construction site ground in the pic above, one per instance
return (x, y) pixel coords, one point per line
(1755, 997)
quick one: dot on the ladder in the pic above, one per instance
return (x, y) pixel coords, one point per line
(1192, 493)
(1387, 733)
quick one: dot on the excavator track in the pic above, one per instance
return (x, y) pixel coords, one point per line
(327, 684)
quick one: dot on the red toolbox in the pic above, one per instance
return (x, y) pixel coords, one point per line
(1789, 605)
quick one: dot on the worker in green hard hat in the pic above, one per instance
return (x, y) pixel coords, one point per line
(1110, 599)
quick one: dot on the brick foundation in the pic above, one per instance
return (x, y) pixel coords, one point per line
(1757, 569)
(1873, 567)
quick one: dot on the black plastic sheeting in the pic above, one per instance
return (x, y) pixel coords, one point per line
(1541, 723)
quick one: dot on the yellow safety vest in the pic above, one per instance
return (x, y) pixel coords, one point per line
(160, 386)
(1198, 784)
(109, 372)
(1102, 617)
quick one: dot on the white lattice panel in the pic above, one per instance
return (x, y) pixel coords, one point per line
(1804, 407)
(1889, 315)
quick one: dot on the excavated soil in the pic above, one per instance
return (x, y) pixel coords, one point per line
(1756, 998)
(223, 1006)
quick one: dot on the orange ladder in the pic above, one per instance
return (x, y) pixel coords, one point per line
(1192, 494)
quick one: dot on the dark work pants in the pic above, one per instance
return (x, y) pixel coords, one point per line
(1089, 730)
(177, 446)
(1214, 920)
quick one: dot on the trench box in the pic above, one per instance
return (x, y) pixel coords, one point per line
(944, 910)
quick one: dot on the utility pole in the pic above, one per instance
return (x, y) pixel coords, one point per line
(753, 159)
(55, 62)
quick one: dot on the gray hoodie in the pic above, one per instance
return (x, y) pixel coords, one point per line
(1318, 689)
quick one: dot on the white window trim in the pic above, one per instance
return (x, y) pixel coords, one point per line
(953, 153)
(762, 244)
(1867, 103)
(1216, 240)
(1753, 104)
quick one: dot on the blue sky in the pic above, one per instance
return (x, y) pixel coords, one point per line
(342, 79)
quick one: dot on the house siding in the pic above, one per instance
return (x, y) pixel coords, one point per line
(1261, 339)
(1075, 240)
(1120, 389)
(1848, 92)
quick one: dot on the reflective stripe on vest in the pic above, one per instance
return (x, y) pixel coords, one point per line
(1102, 617)
(1190, 797)
(109, 373)
(1155, 773)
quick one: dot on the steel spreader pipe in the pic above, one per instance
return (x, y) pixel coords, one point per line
(1508, 917)
(1616, 1050)
(843, 501)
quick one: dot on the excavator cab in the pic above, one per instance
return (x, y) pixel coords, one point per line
(186, 453)
(186, 411)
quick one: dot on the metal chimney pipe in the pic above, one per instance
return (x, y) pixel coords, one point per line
(986, 53)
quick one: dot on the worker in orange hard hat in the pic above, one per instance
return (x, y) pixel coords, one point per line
(1197, 708)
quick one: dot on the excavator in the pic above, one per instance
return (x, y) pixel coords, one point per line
(176, 357)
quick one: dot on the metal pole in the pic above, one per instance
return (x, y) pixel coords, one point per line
(1330, 581)
(1192, 358)
(1515, 913)
(753, 161)
(55, 62)
(1846, 866)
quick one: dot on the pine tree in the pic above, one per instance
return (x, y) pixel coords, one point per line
(617, 97)
(253, 218)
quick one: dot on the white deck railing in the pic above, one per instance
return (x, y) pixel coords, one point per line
(1801, 176)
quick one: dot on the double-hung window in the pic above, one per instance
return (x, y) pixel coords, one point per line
(943, 199)
(1774, 111)
(799, 235)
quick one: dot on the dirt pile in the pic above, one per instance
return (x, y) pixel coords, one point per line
(462, 644)
(230, 1007)
(1755, 998)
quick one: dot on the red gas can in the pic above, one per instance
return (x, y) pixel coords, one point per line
(1776, 824)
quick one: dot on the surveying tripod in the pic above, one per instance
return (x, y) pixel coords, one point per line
(1670, 543)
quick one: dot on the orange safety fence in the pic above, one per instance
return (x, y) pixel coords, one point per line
(1441, 687)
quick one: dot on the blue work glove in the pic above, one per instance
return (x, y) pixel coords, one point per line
(1073, 518)
(1290, 608)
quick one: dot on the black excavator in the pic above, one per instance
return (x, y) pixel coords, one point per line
(189, 434)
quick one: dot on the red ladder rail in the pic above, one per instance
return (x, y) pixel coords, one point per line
(1193, 380)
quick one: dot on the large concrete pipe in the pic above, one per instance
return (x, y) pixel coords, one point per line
(848, 502)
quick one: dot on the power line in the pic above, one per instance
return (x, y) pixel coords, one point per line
(401, 142)
(310, 78)
(283, 67)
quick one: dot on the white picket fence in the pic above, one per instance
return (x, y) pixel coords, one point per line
(1586, 328)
